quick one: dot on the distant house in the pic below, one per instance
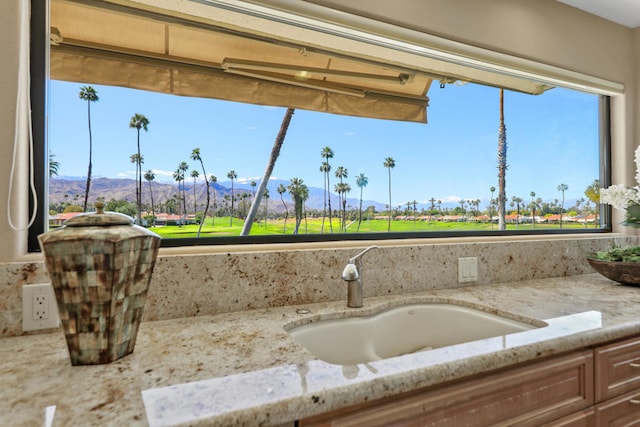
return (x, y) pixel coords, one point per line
(59, 219)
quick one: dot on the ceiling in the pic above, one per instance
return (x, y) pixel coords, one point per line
(623, 12)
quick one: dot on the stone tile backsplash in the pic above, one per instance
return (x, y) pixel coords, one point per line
(192, 285)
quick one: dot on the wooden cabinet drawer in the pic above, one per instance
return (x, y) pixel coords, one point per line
(586, 418)
(526, 396)
(617, 369)
(620, 411)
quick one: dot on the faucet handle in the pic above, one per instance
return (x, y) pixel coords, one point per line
(350, 273)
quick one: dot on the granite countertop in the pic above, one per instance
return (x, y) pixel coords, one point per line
(243, 368)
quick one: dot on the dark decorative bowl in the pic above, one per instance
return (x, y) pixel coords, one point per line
(627, 273)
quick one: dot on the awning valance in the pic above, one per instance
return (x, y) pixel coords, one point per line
(96, 45)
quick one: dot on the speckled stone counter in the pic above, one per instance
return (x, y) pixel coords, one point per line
(242, 368)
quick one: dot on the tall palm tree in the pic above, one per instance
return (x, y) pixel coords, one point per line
(178, 175)
(492, 190)
(361, 182)
(533, 209)
(502, 166)
(231, 175)
(389, 163)
(212, 180)
(327, 153)
(195, 174)
(54, 165)
(253, 188)
(562, 188)
(266, 205)
(281, 190)
(325, 168)
(342, 188)
(184, 167)
(139, 121)
(150, 176)
(518, 202)
(266, 176)
(89, 94)
(299, 193)
(138, 160)
(340, 173)
(195, 156)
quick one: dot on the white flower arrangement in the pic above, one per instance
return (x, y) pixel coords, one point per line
(625, 198)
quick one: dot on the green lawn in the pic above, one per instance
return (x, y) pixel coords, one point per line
(314, 226)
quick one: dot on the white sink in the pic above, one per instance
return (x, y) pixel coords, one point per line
(401, 330)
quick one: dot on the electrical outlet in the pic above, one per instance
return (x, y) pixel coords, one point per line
(467, 269)
(39, 308)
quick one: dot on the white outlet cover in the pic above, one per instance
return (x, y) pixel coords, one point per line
(29, 294)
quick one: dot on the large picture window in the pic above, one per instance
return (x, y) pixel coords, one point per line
(213, 136)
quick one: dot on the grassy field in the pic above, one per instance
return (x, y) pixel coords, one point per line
(314, 226)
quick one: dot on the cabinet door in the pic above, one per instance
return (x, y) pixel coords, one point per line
(617, 369)
(620, 411)
(527, 396)
(586, 418)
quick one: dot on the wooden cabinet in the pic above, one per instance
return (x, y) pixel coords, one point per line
(588, 388)
(618, 383)
(527, 396)
(617, 368)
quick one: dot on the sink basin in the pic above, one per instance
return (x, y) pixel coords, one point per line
(401, 330)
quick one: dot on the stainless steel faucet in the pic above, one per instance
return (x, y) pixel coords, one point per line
(352, 274)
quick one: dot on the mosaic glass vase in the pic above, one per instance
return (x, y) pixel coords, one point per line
(100, 265)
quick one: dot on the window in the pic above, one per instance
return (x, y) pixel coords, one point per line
(357, 152)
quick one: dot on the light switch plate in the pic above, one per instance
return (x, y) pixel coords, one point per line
(467, 269)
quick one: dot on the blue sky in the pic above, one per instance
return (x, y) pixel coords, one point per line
(552, 139)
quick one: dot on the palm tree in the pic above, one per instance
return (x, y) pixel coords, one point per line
(231, 175)
(340, 173)
(266, 176)
(54, 165)
(178, 175)
(325, 168)
(89, 94)
(342, 188)
(139, 121)
(562, 188)
(195, 156)
(327, 153)
(533, 209)
(389, 163)
(150, 176)
(184, 167)
(253, 188)
(502, 166)
(361, 182)
(195, 174)
(518, 202)
(212, 180)
(299, 193)
(492, 189)
(593, 194)
(281, 190)
(138, 159)
(266, 205)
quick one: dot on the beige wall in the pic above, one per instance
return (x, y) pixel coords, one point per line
(542, 30)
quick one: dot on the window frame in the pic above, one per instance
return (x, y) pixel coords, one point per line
(39, 56)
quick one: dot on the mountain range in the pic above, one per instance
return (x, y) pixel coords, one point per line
(71, 190)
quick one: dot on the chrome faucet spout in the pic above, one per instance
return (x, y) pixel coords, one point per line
(358, 257)
(352, 274)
